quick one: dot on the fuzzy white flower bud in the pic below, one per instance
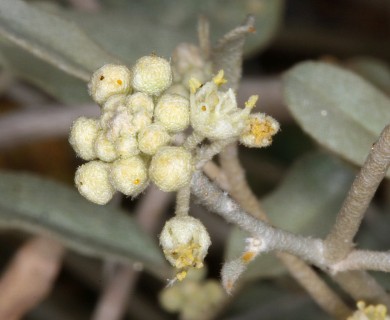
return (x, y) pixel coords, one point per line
(140, 101)
(179, 89)
(104, 148)
(109, 80)
(171, 168)
(152, 75)
(126, 146)
(92, 181)
(259, 131)
(82, 137)
(173, 112)
(185, 242)
(129, 175)
(152, 138)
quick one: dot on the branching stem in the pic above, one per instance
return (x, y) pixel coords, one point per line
(339, 241)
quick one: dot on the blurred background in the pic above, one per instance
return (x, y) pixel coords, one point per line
(38, 103)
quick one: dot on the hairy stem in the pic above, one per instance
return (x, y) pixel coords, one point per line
(339, 241)
(183, 201)
(324, 296)
(364, 260)
(317, 288)
(361, 286)
(213, 198)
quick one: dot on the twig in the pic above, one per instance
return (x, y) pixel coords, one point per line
(364, 260)
(113, 300)
(339, 241)
(204, 36)
(300, 271)
(33, 124)
(183, 201)
(216, 174)
(29, 277)
(361, 286)
(317, 288)
(273, 239)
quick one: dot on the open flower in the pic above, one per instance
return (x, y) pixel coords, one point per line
(185, 242)
(214, 114)
(259, 131)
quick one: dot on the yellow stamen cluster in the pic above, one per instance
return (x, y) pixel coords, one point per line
(370, 312)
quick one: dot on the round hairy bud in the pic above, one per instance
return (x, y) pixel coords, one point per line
(152, 138)
(82, 137)
(129, 175)
(140, 101)
(179, 89)
(126, 146)
(109, 80)
(173, 112)
(185, 242)
(171, 168)
(171, 299)
(152, 75)
(104, 148)
(93, 183)
(259, 130)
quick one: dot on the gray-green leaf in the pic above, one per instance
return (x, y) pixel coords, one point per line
(306, 202)
(51, 38)
(337, 108)
(39, 205)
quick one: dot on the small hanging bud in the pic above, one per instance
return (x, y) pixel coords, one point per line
(82, 137)
(185, 242)
(152, 138)
(173, 112)
(171, 168)
(93, 183)
(152, 75)
(109, 80)
(259, 131)
(129, 175)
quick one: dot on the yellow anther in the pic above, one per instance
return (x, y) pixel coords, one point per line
(194, 84)
(136, 181)
(219, 78)
(181, 275)
(251, 101)
(247, 256)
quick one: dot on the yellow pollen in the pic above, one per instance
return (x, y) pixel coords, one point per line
(261, 130)
(247, 256)
(251, 101)
(119, 82)
(219, 78)
(203, 108)
(181, 275)
(194, 84)
(137, 181)
(185, 255)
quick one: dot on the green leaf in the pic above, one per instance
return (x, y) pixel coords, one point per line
(64, 87)
(337, 108)
(374, 70)
(306, 202)
(51, 39)
(39, 205)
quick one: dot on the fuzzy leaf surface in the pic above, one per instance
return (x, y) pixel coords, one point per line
(39, 205)
(337, 108)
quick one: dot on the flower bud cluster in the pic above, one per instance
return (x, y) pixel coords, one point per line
(192, 298)
(130, 144)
